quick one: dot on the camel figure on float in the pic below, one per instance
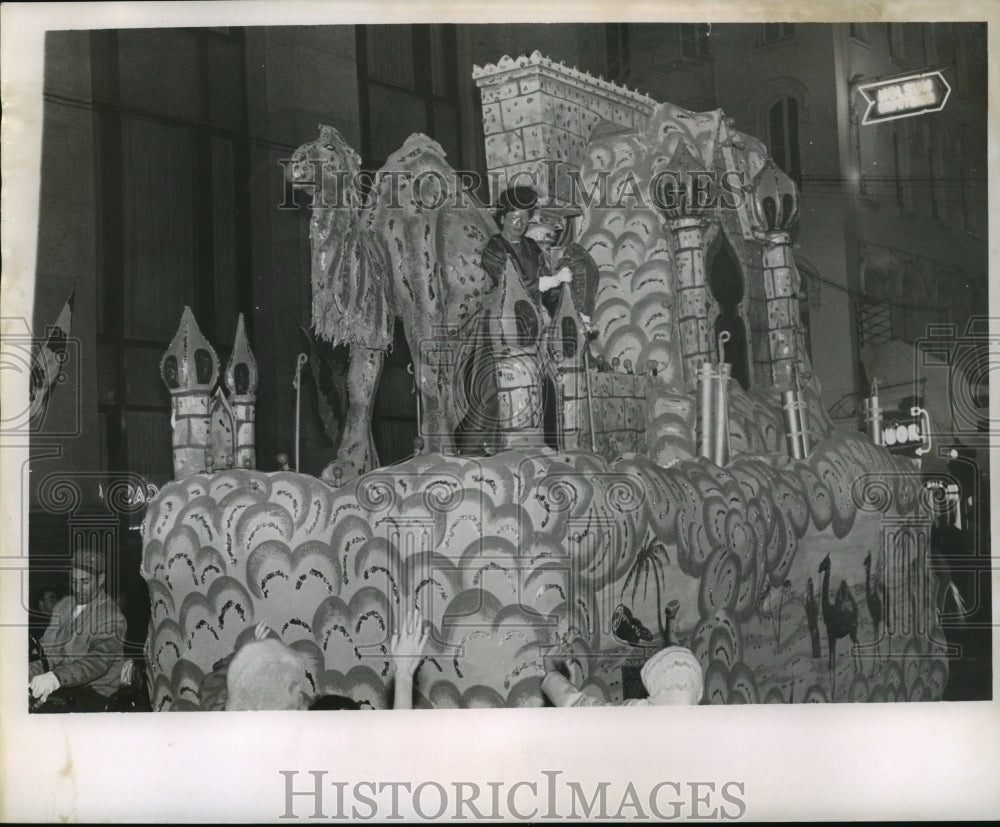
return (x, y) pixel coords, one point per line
(385, 254)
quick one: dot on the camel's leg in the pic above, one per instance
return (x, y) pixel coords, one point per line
(356, 453)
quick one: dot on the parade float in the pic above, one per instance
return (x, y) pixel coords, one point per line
(691, 490)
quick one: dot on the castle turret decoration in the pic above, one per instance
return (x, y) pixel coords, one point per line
(211, 430)
(241, 382)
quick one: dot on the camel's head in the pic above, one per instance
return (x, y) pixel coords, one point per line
(328, 154)
(825, 564)
(868, 560)
(809, 587)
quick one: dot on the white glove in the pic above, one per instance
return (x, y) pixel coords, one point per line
(43, 685)
(546, 283)
(564, 276)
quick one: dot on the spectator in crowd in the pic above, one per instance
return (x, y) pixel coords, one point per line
(41, 610)
(406, 647)
(266, 673)
(672, 677)
(81, 656)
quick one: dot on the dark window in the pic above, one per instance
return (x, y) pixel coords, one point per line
(172, 147)
(894, 34)
(619, 53)
(569, 334)
(694, 40)
(901, 157)
(859, 31)
(933, 171)
(897, 170)
(963, 171)
(967, 183)
(783, 136)
(407, 77)
(776, 31)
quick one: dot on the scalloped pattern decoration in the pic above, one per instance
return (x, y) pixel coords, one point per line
(508, 555)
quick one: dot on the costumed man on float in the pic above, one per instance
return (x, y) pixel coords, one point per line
(516, 212)
(515, 209)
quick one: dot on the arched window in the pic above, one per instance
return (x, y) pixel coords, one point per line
(783, 136)
(725, 280)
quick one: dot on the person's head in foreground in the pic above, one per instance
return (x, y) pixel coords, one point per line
(87, 575)
(673, 677)
(267, 674)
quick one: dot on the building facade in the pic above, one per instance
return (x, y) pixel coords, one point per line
(891, 241)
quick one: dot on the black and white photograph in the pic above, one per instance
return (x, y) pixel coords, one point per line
(502, 375)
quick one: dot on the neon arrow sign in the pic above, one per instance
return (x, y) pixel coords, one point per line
(904, 97)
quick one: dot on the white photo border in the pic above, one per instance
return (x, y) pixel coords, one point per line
(879, 761)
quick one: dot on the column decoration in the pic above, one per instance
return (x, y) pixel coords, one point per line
(775, 204)
(685, 196)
